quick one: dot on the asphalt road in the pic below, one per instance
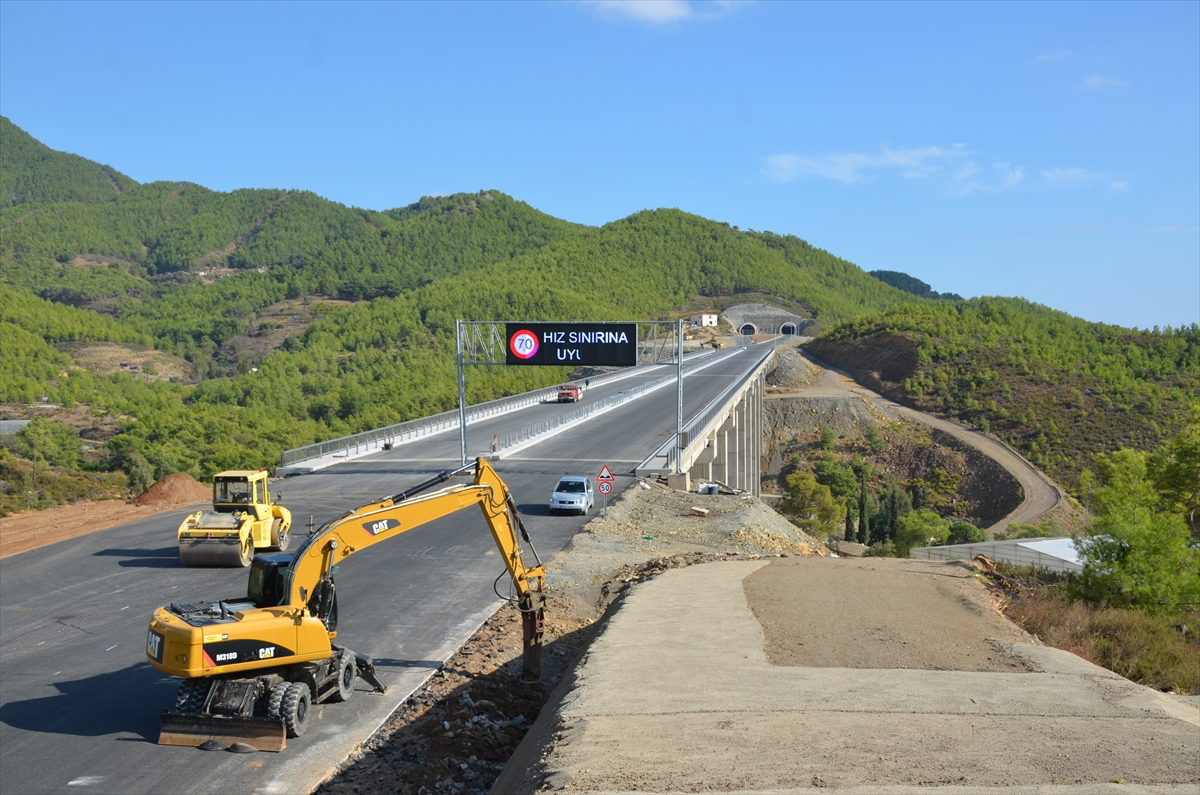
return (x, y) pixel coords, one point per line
(79, 705)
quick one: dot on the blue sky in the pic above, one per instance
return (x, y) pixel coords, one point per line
(1050, 151)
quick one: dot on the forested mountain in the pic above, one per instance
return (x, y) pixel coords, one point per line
(210, 277)
(1057, 388)
(911, 284)
(286, 318)
(30, 171)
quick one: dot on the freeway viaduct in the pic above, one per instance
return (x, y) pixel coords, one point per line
(79, 705)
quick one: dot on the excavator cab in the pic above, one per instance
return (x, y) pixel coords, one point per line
(267, 587)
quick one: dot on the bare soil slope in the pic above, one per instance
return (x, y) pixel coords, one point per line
(24, 531)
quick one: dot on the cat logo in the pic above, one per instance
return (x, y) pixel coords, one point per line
(266, 653)
(154, 646)
(382, 526)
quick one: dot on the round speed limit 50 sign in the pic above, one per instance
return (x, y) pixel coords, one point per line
(524, 344)
(605, 488)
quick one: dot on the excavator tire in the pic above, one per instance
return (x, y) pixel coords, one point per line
(345, 678)
(296, 706)
(275, 699)
(192, 693)
(280, 536)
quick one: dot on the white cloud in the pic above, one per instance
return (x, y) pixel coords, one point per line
(965, 183)
(1063, 177)
(652, 11)
(1100, 83)
(1120, 187)
(951, 165)
(852, 166)
(1051, 57)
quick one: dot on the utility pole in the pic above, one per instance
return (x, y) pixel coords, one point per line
(462, 393)
(679, 398)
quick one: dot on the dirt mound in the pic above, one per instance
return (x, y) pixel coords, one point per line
(178, 489)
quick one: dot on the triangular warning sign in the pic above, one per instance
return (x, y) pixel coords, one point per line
(605, 475)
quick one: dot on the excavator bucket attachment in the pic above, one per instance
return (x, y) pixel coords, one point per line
(179, 728)
(224, 553)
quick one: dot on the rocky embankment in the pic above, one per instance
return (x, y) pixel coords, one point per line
(803, 399)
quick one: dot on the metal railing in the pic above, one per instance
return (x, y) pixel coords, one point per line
(697, 429)
(381, 438)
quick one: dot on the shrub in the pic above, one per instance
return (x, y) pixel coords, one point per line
(965, 533)
(1137, 555)
(814, 507)
(1142, 647)
(918, 529)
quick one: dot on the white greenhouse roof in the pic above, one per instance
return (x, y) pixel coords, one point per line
(1053, 554)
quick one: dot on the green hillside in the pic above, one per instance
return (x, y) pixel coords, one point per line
(210, 277)
(1057, 388)
(30, 172)
(286, 318)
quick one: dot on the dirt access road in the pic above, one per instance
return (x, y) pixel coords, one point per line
(1041, 495)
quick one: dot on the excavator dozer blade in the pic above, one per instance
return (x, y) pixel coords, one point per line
(212, 552)
(265, 734)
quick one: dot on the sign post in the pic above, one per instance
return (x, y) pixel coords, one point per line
(604, 482)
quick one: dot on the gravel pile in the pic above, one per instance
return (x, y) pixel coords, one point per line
(792, 370)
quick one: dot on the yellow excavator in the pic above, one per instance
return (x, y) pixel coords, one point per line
(253, 666)
(243, 519)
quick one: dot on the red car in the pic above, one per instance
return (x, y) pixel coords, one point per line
(569, 393)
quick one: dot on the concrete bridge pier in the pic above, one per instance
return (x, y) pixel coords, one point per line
(724, 445)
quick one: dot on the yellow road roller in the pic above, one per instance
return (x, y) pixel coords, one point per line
(243, 519)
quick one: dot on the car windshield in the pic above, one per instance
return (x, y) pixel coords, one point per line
(570, 486)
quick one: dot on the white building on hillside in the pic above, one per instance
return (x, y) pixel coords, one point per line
(703, 319)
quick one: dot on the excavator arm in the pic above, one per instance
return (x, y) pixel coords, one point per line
(308, 583)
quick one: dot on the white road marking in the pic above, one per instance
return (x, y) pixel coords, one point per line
(126, 607)
(85, 781)
(110, 648)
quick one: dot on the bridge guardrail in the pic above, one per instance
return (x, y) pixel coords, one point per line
(378, 438)
(583, 412)
(697, 428)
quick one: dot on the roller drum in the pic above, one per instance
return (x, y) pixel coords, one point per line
(212, 552)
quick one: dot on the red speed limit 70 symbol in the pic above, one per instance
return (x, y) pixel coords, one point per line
(524, 344)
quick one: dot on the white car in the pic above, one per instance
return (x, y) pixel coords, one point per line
(573, 494)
